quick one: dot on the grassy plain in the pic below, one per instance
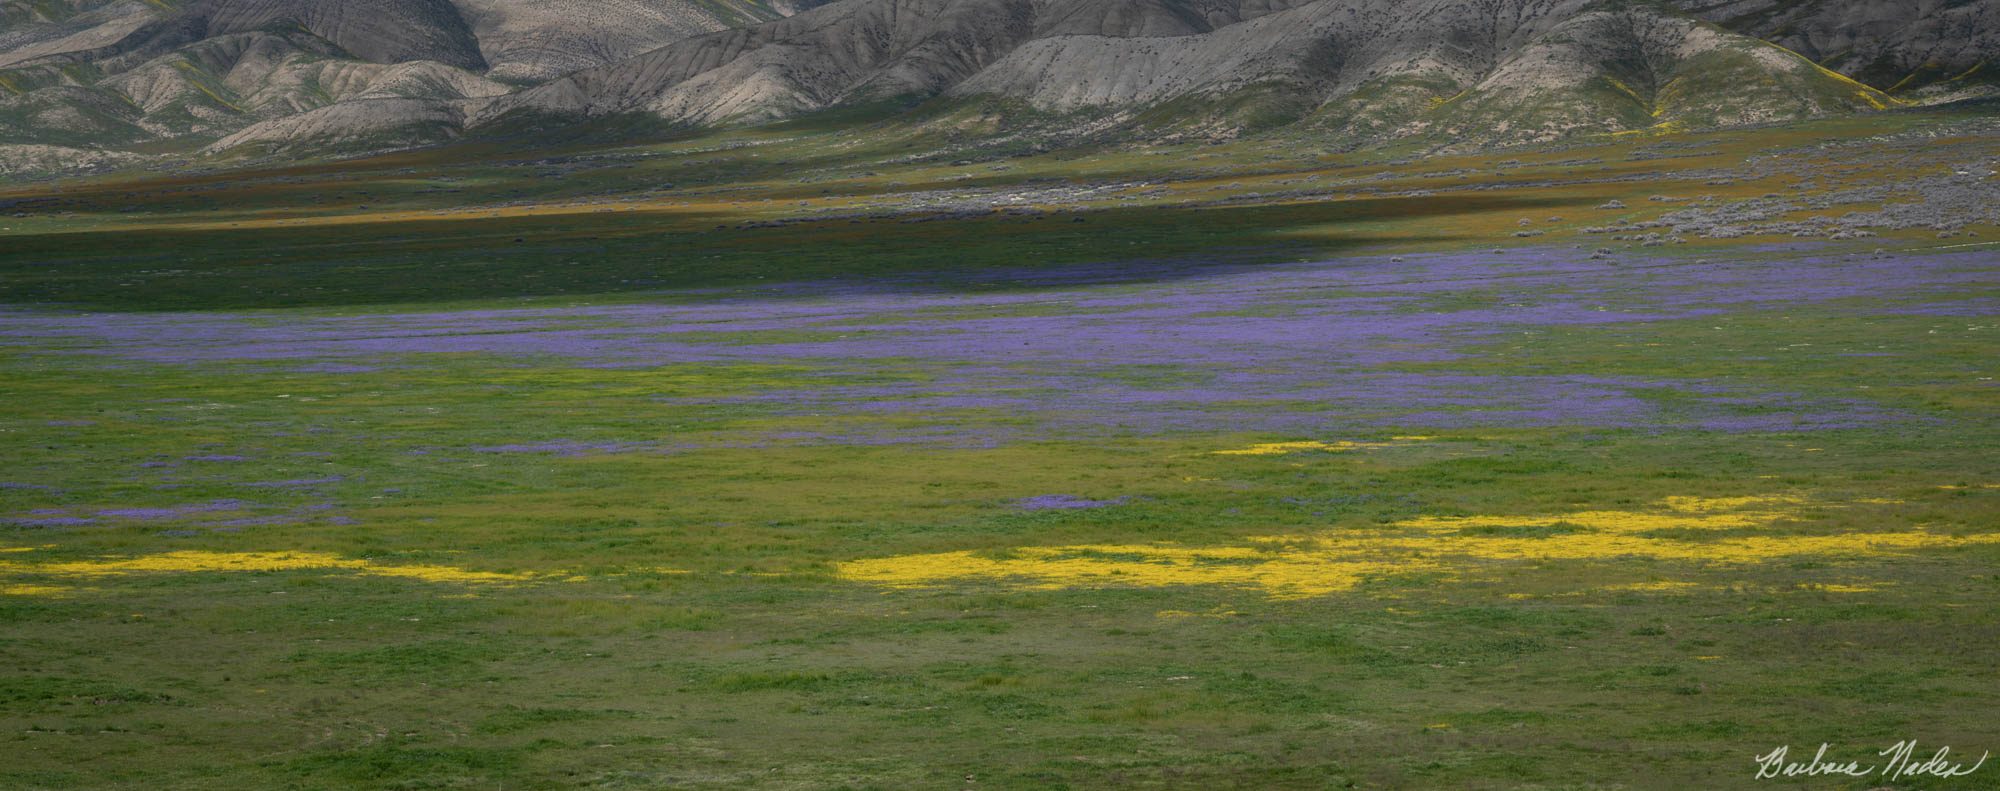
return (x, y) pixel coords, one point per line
(705, 464)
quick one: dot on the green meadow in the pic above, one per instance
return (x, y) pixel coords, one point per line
(699, 464)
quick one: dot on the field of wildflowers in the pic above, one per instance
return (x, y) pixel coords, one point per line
(1418, 513)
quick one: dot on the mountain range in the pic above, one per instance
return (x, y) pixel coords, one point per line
(97, 78)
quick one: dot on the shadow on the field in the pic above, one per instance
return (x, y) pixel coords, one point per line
(423, 258)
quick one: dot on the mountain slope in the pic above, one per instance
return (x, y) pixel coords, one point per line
(1469, 70)
(123, 72)
(529, 42)
(1901, 45)
(319, 75)
(846, 52)
(31, 30)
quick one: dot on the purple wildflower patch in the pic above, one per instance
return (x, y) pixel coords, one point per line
(1064, 502)
(295, 483)
(1328, 346)
(563, 447)
(175, 511)
(47, 521)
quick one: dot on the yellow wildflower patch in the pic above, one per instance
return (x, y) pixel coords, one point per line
(1302, 566)
(32, 590)
(1280, 448)
(1280, 575)
(1661, 585)
(1702, 504)
(1301, 446)
(197, 561)
(1861, 91)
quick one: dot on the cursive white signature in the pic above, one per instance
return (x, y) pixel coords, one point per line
(1901, 763)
